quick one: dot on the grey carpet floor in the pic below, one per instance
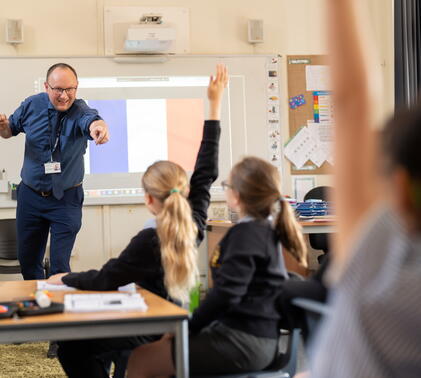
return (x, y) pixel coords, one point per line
(28, 360)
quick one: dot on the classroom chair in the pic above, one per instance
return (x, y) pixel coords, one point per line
(285, 363)
(9, 250)
(314, 312)
(8, 247)
(319, 241)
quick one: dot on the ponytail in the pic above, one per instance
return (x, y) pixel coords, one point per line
(258, 185)
(176, 229)
(290, 233)
(177, 234)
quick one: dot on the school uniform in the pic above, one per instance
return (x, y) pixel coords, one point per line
(140, 262)
(373, 328)
(236, 328)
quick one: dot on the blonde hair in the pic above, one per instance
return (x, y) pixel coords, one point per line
(258, 185)
(177, 232)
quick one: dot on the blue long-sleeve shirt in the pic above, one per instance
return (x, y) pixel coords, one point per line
(37, 118)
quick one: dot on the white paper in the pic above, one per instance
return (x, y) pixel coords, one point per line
(317, 78)
(323, 136)
(300, 147)
(302, 185)
(104, 302)
(325, 132)
(44, 285)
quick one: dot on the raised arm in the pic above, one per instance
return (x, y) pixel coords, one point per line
(354, 93)
(206, 167)
(5, 130)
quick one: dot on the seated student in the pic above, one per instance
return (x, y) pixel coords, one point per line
(374, 329)
(162, 259)
(236, 328)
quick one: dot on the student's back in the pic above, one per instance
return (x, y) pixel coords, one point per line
(247, 270)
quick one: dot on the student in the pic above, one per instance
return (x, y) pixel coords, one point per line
(374, 329)
(162, 259)
(236, 328)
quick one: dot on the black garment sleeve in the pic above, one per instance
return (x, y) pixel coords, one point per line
(231, 279)
(205, 173)
(138, 261)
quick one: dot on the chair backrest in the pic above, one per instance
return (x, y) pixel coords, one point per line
(8, 240)
(314, 311)
(319, 192)
(319, 241)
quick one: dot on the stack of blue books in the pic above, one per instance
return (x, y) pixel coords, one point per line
(313, 208)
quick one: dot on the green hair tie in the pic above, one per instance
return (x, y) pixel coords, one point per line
(174, 191)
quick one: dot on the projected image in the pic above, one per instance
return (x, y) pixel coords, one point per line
(152, 118)
(144, 131)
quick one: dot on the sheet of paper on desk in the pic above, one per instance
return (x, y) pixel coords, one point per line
(44, 285)
(104, 302)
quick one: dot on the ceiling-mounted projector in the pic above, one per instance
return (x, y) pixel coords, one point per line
(149, 36)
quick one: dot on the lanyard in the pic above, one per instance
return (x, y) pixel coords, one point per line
(60, 121)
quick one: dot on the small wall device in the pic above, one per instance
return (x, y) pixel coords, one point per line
(14, 31)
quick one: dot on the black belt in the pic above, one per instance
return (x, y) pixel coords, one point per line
(50, 193)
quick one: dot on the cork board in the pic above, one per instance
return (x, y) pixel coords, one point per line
(296, 72)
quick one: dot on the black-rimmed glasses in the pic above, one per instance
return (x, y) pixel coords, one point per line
(59, 91)
(225, 185)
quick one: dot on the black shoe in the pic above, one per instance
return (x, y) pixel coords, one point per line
(52, 349)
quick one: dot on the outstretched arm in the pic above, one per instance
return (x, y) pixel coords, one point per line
(355, 149)
(206, 167)
(5, 130)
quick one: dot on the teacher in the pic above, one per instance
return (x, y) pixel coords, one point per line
(50, 196)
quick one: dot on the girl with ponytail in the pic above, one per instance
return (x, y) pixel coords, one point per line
(236, 327)
(161, 258)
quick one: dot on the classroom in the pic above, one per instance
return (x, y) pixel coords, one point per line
(277, 57)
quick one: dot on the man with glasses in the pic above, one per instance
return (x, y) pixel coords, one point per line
(50, 196)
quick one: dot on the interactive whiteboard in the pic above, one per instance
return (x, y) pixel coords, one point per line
(154, 110)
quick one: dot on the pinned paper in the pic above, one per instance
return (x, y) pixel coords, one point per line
(317, 78)
(300, 147)
(322, 134)
(323, 107)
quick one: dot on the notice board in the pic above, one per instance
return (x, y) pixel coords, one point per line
(298, 117)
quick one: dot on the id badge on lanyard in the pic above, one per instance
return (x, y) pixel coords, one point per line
(52, 166)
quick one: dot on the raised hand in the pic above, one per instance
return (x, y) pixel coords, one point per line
(216, 87)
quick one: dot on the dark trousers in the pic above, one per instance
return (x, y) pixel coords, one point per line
(36, 217)
(92, 358)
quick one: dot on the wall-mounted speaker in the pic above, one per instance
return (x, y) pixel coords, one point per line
(14, 31)
(255, 31)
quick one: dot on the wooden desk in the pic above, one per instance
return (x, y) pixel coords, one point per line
(161, 317)
(216, 231)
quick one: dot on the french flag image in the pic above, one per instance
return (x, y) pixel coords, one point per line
(143, 131)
